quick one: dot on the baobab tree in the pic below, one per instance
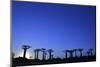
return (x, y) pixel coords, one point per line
(45, 55)
(71, 53)
(50, 53)
(36, 51)
(51, 56)
(91, 51)
(43, 50)
(75, 50)
(25, 47)
(80, 50)
(66, 51)
(88, 53)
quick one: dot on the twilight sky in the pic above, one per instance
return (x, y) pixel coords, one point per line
(56, 26)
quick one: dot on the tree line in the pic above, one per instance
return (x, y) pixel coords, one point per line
(50, 52)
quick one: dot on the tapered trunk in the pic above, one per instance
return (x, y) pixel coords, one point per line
(91, 53)
(66, 55)
(43, 57)
(35, 55)
(24, 55)
(50, 55)
(75, 54)
(80, 53)
(71, 54)
(88, 53)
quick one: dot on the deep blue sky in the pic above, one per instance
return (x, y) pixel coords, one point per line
(55, 26)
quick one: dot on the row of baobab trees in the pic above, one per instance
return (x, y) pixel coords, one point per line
(50, 52)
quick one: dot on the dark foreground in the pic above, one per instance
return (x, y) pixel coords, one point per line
(26, 62)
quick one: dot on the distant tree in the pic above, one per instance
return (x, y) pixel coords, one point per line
(88, 53)
(66, 51)
(80, 50)
(71, 53)
(75, 50)
(91, 51)
(51, 56)
(50, 53)
(43, 50)
(25, 47)
(37, 53)
(45, 55)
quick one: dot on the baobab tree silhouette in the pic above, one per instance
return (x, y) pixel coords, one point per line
(37, 53)
(66, 51)
(75, 50)
(88, 53)
(51, 56)
(69, 57)
(80, 50)
(91, 51)
(50, 53)
(43, 50)
(25, 47)
(71, 53)
(45, 55)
